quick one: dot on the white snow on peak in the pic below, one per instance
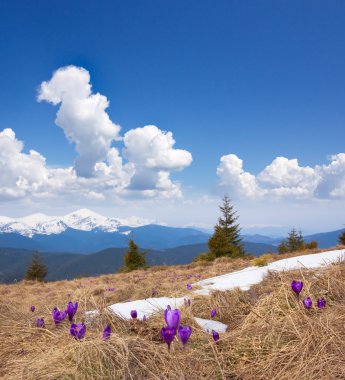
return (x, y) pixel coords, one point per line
(87, 220)
(34, 219)
(83, 219)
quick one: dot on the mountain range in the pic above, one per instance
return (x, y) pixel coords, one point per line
(86, 243)
(62, 266)
(84, 231)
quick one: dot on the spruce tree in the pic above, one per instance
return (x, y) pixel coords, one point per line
(36, 271)
(293, 243)
(342, 238)
(226, 240)
(134, 259)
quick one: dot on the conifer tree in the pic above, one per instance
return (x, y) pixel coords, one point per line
(226, 240)
(36, 271)
(293, 243)
(342, 238)
(134, 259)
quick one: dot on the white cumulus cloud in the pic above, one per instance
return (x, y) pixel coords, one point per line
(287, 177)
(100, 172)
(233, 179)
(81, 115)
(20, 173)
(153, 154)
(283, 178)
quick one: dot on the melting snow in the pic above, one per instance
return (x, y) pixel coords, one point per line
(243, 279)
(208, 325)
(146, 307)
(247, 277)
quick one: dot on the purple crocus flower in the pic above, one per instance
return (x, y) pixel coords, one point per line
(58, 316)
(134, 314)
(321, 303)
(215, 335)
(71, 310)
(308, 303)
(40, 322)
(32, 308)
(172, 318)
(144, 318)
(184, 333)
(168, 335)
(297, 286)
(189, 286)
(213, 312)
(78, 330)
(188, 302)
(106, 332)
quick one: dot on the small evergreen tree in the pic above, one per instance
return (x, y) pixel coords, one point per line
(342, 238)
(226, 240)
(134, 259)
(283, 248)
(36, 271)
(294, 242)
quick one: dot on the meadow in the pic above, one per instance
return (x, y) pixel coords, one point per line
(270, 335)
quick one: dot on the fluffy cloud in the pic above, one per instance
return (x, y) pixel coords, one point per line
(235, 180)
(286, 177)
(19, 172)
(153, 156)
(25, 175)
(333, 178)
(100, 172)
(283, 178)
(81, 115)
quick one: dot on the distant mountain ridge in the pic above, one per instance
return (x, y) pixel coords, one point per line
(63, 266)
(85, 231)
(82, 220)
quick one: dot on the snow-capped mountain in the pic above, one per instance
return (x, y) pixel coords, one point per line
(82, 220)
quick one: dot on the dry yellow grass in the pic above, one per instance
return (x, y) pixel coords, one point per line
(270, 335)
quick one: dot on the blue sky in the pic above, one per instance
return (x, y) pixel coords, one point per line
(255, 80)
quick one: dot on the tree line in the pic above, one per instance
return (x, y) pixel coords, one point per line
(224, 242)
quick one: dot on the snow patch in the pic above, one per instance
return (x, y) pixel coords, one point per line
(146, 307)
(208, 325)
(247, 277)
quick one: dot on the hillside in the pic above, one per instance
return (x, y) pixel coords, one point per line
(270, 334)
(62, 265)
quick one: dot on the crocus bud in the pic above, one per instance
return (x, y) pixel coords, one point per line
(168, 335)
(297, 286)
(172, 318)
(308, 303)
(106, 332)
(215, 335)
(40, 322)
(189, 286)
(184, 333)
(32, 308)
(71, 310)
(78, 330)
(58, 316)
(321, 303)
(134, 314)
(213, 312)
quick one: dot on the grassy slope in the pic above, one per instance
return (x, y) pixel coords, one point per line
(270, 336)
